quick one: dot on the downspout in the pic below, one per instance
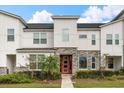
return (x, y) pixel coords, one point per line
(123, 44)
(100, 49)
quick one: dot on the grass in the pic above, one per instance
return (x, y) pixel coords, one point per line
(93, 83)
(35, 84)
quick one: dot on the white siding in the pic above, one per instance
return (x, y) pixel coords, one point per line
(115, 50)
(70, 24)
(86, 43)
(7, 22)
(27, 40)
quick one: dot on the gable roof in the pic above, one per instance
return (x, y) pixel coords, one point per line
(15, 16)
(118, 16)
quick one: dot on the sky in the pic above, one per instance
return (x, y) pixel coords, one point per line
(43, 13)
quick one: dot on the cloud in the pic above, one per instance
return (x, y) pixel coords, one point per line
(41, 17)
(94, 14)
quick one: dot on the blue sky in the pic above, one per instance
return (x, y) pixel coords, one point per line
(86, 12)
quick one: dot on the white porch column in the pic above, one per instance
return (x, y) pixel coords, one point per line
(122, 61)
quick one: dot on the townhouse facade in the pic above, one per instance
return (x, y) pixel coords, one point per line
(79, 46)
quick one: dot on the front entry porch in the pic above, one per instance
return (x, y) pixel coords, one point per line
(113, 63)
(11, 63)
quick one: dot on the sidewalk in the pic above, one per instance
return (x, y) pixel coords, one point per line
(66, 81)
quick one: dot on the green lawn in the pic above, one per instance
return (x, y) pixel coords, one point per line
(93, 83)
(38, 84)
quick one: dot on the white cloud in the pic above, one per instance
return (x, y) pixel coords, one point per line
(41, 17)
(95, 14)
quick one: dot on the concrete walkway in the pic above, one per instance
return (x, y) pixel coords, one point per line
(66, 81)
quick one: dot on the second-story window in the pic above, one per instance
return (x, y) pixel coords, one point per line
(116, 39)
(10, 35)
(93, 39)
(43, 38)
(82, 36)
(65, 35)
(109, 39)
(36, 38)
(39, 38)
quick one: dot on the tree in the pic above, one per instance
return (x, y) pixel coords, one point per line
(102, 62)
(50, 65)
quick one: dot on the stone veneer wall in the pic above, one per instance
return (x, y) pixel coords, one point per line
(89, 54)
(75, 57)
(69, 51)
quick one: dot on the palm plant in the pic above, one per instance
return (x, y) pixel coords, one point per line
(50, 65)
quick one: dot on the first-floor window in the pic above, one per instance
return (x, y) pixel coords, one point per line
(93, 63)
(110, 63)
(35, 61)
(82, 62)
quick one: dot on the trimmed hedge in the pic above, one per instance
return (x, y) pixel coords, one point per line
(15, 78)
(94, 74)
(43, 75)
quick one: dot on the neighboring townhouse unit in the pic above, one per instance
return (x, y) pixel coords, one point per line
(79, 46)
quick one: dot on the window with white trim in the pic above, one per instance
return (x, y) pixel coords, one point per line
(39, 38)
(93, 62)
(82, 36)
(93, 39)
(10, 35)
(82, 62)
(35, 61)
(109, 39)
(116, 39)
(65, 35)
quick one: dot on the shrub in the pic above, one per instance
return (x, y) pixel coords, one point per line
(54, 76)
(112, 78)
(42, 75)
(15, 78)
(94, 74)
(122, 71)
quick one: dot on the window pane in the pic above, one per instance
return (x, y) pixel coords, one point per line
(116, 36)
(32, 58)
(109, 42)
(93, 65)
(36, 41)
(36, 35)
(117, 42)
(93, 37)
(32, 65)
(82, 36)
(93, 59)
(40, 58)
(43, 41)
(109, 36)
(82, 62)
(10, 38)
(10, 31)
(93, 42)
(43, 35)
(65, 34)
(10, 35)
(36, 38)
(117, 39)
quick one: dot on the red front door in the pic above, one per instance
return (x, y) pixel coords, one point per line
(66, 64)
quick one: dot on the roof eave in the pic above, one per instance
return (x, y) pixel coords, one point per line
(15, 16)
(112, 22)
